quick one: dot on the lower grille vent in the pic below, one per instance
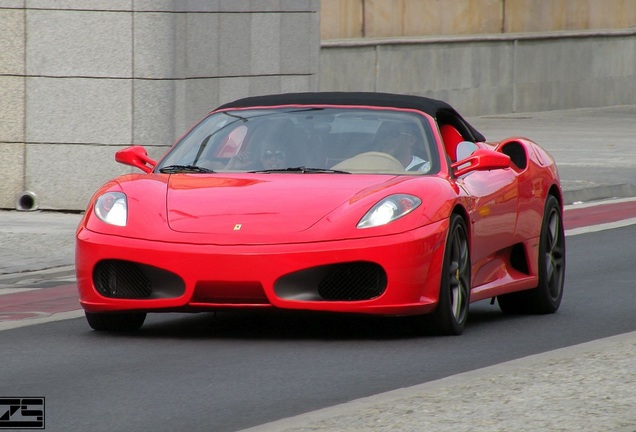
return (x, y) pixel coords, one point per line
(353, 281)
(121, 279)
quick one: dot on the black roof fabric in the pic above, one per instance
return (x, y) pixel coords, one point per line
(430, 106)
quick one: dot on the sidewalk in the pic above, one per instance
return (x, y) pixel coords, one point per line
(589, 387)
(32, 241)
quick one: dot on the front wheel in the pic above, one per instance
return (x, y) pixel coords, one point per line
(115, 322)
(449, 318)
(546, 297)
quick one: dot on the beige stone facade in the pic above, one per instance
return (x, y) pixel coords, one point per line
(341, 19)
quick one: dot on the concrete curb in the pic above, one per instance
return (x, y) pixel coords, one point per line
(599, 192)
(566, 389)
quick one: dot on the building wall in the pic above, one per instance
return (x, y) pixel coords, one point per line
(485, 56)
(491, 74)
(80, 79)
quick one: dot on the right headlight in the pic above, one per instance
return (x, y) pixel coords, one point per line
(112, 208)
(389, 209)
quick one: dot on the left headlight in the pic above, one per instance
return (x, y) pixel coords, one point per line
(112, 208)
(389, 209)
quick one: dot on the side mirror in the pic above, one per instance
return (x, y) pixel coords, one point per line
(481, 160)
(465, 149)
(137, 157)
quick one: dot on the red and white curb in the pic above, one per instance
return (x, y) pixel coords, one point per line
(20, 307)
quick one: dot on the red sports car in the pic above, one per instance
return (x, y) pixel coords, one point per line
(365, 203)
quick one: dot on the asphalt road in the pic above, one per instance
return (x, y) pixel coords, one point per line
(230, 371)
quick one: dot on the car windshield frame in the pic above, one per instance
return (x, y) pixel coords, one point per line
(308, 140)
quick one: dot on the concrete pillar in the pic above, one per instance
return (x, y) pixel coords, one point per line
(81, 79)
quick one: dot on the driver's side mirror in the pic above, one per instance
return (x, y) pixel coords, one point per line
(137, 157)
(481, 160)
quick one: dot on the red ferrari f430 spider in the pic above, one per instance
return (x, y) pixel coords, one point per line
(366, 203)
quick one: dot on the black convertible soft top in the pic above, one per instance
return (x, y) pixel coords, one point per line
(433, 107)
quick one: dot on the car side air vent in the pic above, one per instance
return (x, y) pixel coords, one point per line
(517, 154)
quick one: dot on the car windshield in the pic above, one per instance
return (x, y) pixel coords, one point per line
(307, 140)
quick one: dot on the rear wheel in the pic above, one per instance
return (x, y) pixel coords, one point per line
(546, 297)
(115, 322)
(454, 295)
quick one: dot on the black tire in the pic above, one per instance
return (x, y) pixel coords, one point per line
(449, 318)
(546, 297)
(115, 322)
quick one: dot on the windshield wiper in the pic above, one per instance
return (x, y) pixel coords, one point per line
(176, 169)
(301, 169)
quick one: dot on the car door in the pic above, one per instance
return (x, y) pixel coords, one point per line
(494, 199)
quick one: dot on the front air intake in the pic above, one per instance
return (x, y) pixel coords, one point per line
(121, 279)
(353, 281)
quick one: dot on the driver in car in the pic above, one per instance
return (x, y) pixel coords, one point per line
(400, 142)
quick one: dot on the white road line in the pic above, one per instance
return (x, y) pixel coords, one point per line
(16, 290)
(8, 325)
(600, 227)
(598, 203)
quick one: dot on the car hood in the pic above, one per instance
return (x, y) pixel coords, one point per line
(262, 204)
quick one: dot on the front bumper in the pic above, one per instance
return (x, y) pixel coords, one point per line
(288, 276)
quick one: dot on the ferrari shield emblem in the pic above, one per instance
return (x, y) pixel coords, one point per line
(237, 227)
